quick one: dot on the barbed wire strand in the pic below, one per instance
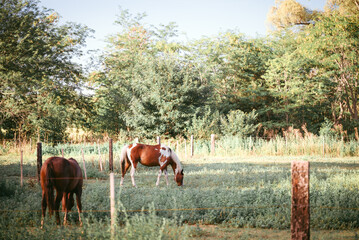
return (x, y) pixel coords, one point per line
(313, 208)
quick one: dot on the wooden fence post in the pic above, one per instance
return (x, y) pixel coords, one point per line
(300, 215)
(83, 162)
(158, 140)
(99, 156)
(39, 159)
(192, 145)
(112, 203)
(110, 160)
(21, 161)
(213, 143)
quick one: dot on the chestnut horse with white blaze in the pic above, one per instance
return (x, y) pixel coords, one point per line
(150, 155)
(65, 176)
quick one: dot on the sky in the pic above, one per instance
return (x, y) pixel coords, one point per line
(194, 18)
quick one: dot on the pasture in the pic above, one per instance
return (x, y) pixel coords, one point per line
(223, 196)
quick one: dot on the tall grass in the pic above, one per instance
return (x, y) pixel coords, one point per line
(310, 145)
(278, 146)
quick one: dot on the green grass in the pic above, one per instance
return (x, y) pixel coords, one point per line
(246, 192)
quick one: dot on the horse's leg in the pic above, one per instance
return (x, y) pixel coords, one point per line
(57, 206)
(43, 208)
(166, 176)
(124, 170)
(158, 178)
(133, 170)
(78, 203)
(64, 205)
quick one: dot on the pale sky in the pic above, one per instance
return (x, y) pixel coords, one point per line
(195, 18)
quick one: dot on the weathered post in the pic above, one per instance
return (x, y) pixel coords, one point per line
(110, 160)
(21, 162)
(192, 145)
(300, 215)
(39, 159)
(213, 142)
(99, 156)
(83, 162)
(112, 203)
(158, 140)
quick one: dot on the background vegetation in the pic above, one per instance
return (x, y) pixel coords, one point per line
(304, 73)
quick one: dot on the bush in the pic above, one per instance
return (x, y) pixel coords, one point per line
(238, 123)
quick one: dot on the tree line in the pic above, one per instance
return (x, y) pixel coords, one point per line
(303, 75)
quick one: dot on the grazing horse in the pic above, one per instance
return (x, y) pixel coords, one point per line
(65, 176)
(150, 155)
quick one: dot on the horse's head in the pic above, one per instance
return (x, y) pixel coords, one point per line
(179, 178)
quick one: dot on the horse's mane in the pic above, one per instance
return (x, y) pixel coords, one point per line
(177, 161)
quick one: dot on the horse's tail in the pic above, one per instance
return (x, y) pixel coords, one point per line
(49, 185)
(123, 158)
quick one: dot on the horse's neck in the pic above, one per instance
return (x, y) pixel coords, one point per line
(174, 165)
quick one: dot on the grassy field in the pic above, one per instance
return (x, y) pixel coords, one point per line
(228, 197)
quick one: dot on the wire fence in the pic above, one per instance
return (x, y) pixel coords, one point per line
(264, 169)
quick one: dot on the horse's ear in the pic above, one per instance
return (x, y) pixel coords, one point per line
(182, 172)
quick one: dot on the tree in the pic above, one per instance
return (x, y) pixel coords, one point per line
(238, 123)
(36, 71)
(146, 86)
(300, 94)
(334, 43)
(342, 7)
(288, 13)
(235, 66)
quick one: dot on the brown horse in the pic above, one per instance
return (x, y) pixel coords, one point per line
(65, 176)
(150, 155)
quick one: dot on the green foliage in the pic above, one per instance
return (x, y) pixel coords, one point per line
(333, 42)
(7, 189)
(37, 91)
(205, 124)
(327, 129)
(235, 66)
(238, 123)
(154, 90)
(150, 84)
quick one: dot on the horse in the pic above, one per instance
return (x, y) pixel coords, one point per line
(150, 155)
(65, 176)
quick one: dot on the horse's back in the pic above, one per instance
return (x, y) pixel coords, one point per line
(148, 155)
(67, 174)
